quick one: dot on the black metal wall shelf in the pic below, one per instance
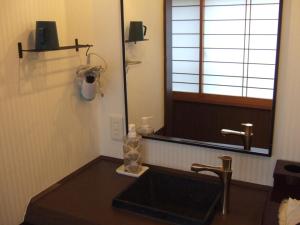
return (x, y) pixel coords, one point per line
(129, 41)
(76, 47)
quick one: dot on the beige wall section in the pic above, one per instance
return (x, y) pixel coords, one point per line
(145, 81)
(287, 127)
(46, 130)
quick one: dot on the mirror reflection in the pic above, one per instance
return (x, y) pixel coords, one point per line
(203, 72)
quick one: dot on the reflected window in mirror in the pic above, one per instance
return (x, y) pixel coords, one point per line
(227, 48)
(209, 67)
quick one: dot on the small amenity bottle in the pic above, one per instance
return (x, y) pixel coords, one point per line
(132, 149)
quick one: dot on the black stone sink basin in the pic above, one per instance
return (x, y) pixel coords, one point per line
(172, 198)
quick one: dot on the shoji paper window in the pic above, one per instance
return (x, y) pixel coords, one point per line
(229, 50)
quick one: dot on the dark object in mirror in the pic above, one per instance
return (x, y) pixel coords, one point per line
(46, 35)
(137, 31)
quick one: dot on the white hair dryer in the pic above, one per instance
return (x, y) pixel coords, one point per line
(90, 76)
(89, 87)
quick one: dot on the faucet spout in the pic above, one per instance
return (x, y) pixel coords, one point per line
(224, 173)
(199, 167)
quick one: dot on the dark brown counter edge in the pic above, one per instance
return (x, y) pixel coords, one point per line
(67, 178)
(116, 160)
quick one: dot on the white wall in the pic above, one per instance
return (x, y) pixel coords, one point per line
(287, 126)
(47, 131)
(146, 87)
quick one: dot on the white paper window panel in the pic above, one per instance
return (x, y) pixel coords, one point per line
(186, 78)
(260, 83)
(186, 40)
(224, 55)
(262, 56)
(260, 93)
(192, 88)
(263, 42)
(245, 84)
(222, 80)
(265, 11)
(237, 2)
(223, 41)
(264, 27)
(185, 2)
(186, 67)
(225, 12)
(189, 27)
(186, 54)
(186, 13)
(229, 69)
(222, 90)
(263, 71)
(224, 27)
(265, 1)
(224, 2)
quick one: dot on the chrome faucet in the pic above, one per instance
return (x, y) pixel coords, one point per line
(224, 173)
(246, 135)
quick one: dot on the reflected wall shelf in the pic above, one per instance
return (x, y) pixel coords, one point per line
(76, 47)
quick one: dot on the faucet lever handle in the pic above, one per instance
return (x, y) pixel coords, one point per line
(247, 124)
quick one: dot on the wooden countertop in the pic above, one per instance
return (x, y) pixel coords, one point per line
(85, 197)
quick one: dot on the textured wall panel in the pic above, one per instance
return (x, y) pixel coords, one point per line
(46, 130)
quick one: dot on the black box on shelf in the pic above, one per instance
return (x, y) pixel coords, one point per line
(286, 180)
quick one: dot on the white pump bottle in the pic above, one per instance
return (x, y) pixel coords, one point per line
(145, 128)
(132, 149)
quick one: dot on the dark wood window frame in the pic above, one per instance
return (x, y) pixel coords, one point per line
(245, 102)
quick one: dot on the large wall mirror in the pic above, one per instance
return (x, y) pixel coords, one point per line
(203, 72)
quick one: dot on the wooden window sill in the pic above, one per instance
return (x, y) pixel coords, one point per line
(255, 103)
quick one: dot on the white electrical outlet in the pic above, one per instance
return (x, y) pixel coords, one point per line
(116, 127)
